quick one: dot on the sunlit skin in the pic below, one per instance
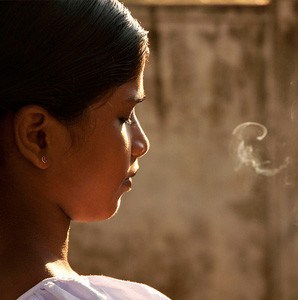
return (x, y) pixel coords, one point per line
(86, 173)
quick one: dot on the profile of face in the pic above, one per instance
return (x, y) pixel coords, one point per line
(82, 166)
(90, 178)
(89, 164)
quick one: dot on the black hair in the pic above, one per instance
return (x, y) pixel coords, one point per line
(64, 54)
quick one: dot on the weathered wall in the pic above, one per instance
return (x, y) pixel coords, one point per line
(193, 227)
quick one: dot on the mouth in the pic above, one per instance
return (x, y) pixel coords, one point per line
(128, 180)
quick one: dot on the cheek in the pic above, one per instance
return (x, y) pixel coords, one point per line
(101, 164)
(125, 140)
(90, 178)
(116, 153)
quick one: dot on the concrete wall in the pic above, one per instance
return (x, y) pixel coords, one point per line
(194, 227)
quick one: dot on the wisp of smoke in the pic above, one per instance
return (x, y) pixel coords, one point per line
(245, 145)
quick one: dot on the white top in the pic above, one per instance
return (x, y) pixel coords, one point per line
(91, 288)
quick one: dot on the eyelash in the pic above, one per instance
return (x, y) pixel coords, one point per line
(128, 121)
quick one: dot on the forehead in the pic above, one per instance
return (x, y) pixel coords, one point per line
(129, 92)
(133, 88)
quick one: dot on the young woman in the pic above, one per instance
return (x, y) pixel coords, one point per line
(71, 74)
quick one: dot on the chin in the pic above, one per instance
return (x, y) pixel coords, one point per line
(101, 215)
(92, 212)
(115, 210)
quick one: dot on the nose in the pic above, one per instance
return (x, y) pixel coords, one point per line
(139, 142)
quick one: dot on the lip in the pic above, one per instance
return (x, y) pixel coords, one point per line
(132, 174)
(128, 182)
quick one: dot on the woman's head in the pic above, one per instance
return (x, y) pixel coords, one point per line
(64, 54)
(61, 60)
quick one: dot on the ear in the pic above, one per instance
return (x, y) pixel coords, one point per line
(31, 129)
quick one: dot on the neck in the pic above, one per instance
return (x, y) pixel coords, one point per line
(33, 245)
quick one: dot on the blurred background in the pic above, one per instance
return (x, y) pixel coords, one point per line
(197, 224)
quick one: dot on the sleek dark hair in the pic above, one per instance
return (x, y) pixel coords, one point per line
(64, 54)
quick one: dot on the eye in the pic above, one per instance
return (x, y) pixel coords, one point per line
(130, 121)
(127, 121)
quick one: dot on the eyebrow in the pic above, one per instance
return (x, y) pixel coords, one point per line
(136, 99)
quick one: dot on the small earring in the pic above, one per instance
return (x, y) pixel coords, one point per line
(44, 159)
